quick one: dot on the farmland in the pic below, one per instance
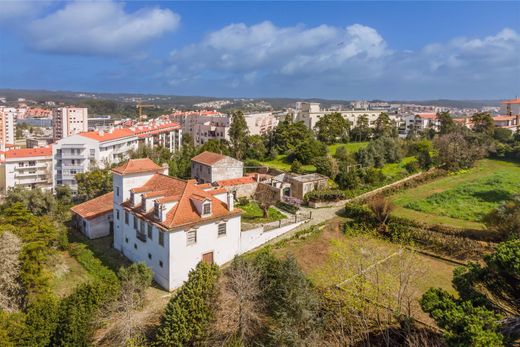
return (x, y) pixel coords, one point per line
(461, 199)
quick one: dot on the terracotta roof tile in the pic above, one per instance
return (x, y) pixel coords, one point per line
(95, 207)
(512, 101)
(208, 158)
(427, 115)
(236, 181)
(28, 152)
(108, 136)
(137, 166)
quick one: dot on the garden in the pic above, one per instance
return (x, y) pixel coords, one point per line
(253, 213)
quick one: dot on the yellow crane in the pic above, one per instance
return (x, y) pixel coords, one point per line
(139, 108)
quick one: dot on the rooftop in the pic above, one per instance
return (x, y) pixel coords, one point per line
(208, 158)
(95, 207)
(236, 181)
(137, 166)
(512, 101)
(310, 178)
(108, 135)
(28, 152)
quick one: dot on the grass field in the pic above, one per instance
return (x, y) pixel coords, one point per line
(280, 162)
(329, 257)
(461, 200)
(67, 273)
(396, 169)
(253, 213)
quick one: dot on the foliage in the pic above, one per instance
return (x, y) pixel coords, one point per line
(94, 183)
(255, 147)
(362, 131)
(91, 263)
(266, 198)
(384, 126)
(465, 324)
(296, 166)
(38, 201)
(254, 213)
(412, 166)
(189, 313)
(379, 152)
(502, 134)
(332, 128)
(216, 146)
(505, 219)
(10, 287)
(381, 208)
(327, 166)
(483, 123)
(447, 124)
(325, 195)
(306, 151)
(288, 135)
(455, 152)
(238, 132)
(287, 207)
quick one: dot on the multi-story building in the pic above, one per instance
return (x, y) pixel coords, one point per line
(418, 123)
(68, 121)
(311, 112)
(78, 153)
(260, 123)
(8, 116)
(508, 121)
(511, 107)
(27, 167)
(209, 167)
(171, 224)
(203, 125)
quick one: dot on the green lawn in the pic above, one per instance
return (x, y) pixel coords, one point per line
(462, 199)
(280, 162)
(253, 213)
(396, 169)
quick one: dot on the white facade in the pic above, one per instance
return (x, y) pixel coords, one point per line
(260, 123)
(310, 113)
(8, 116)
(29, 168)
(203, 126)
(417, 123)
(68, 121)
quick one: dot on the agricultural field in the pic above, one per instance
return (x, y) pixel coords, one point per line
(330, 258)
(461, 199)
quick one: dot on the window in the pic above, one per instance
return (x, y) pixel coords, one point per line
(136, 224)
(142, 228)
(150, 228)
(126, 217)
(149, 256)
(117, 214)
(160, 263)
(92, 152)
(135, 245)
(222, 229)
(206, 208)
(161, 238)
(191, 237)
(117, 191)
(126, 239)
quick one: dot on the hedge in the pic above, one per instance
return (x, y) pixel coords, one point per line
(325, 195)
(287, 207)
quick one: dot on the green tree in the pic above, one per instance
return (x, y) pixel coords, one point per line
(256, 148)
(215, 146)
(238, 132)
(307, 150)
(289, 135)
(384, 126)
(362, 130)
(483, 123)
(191, 310)
(38, 201)
(503, 135)
(505, 219)
(423, 156)
(332, 128)
(447, 124)
(296, 166)
(327, 166)
(455, 152)
(94, 183)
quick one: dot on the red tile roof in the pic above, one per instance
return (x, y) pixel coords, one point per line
(108, 136)
(153, 129)
(208, 158)
(504, 117)
(28, 152)
(427, 115)
(95, 207)
(136, 166)
(512, 101)
(236, 181)
(184, 213)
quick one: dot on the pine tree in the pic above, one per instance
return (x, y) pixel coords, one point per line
(238, 132)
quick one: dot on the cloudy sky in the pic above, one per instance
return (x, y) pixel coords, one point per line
(347, 50)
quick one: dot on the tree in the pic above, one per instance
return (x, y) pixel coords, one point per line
(289, 135)
(307, 150)
(423, 155)
(256, 148)
(454, 152)
(10, 287)
(502, 134)
(238, 132)
(265, 197)
(447, 124)
(483, 123)
(381, 208)
(38, 201)
(64, 194)
(327, 166)
(189, 313)
(505, 219)
(332, 128)
(384, 126)
(362, 130)
(94, 183)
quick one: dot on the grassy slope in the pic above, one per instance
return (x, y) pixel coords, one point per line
(461, 200)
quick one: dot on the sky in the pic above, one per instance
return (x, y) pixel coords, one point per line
(334, 50)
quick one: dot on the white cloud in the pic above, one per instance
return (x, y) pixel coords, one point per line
(99, 28)
(12, 11)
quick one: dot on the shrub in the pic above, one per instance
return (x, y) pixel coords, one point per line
(325, 195)
(287, 207)
(412, 167)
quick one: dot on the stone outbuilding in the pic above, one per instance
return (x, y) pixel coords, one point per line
(209, 167)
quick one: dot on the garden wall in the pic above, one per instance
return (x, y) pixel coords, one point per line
(254, 238)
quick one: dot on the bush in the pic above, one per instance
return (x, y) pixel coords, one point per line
(91, 263)
(287, 207)
(325, 195)
(412, 167)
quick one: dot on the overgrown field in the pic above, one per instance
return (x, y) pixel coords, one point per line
(461, 199)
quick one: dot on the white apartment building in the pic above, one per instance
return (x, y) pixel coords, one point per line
(68, 121)
(260, 123)
(78, 153)
(27, 167)
(311, 112)
(8, 116)
(418, 123)
(204, 125)
(171, 224)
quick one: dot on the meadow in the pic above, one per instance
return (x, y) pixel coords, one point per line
(461, 199)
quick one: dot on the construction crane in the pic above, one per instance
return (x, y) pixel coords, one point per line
(139, 108)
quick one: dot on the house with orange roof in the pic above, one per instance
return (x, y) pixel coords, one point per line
(511, 107)
(26, 167)
(91, 217)
(209, 167)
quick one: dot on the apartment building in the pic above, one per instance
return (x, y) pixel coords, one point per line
(8, 116)
(418, 123)
(260, 123)
(203, 125)
(78, 153)
(68, 121)
(510, 107)
(311, 112)
(27, 167)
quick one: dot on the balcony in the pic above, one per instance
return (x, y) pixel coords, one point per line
(73, 156)
(28, 167)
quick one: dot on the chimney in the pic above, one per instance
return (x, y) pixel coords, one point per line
(230, 201)
(166, 168)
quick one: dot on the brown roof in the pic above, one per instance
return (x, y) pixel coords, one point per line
(28, 152)
(137, 166)
(236, 181)
(208, 158)
(184, 213)
(95, 207)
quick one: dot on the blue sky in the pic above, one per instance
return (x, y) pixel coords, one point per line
(347, 50)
